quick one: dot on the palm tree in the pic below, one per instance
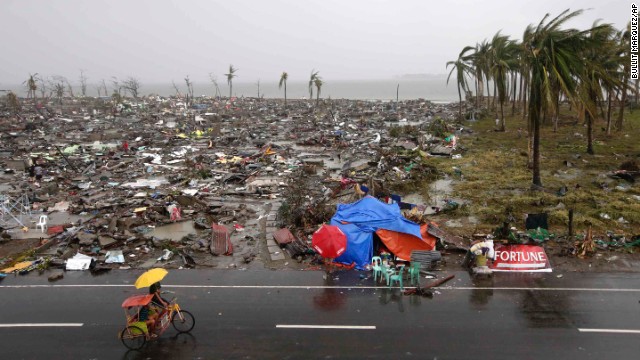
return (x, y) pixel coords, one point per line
(317, 81)
(230, 75)
(461, 68)
(283, 81)
(525, 76)
(551, 50)
(503, 57)
(312, 78)
(625, 39)
(598, 71)
(479, 61)
(483, 59)
(32, 86)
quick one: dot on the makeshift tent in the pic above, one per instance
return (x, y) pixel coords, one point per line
(359, 220)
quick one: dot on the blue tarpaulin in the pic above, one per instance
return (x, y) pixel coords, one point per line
(359, 220)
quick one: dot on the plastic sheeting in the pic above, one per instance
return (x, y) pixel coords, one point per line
(79, 262)
(359, 220)
(401, 244)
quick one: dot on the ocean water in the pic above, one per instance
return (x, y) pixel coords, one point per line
(432, 88)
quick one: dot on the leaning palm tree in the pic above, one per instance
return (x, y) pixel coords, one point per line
(283, 81)
(551, 51)
(470, 60)
(525, 74)
(318, 83)
(600, 65)
(625, 43)
(312, 78)
(230, 75)
(503, 59)
(482, 61)
(461, 68)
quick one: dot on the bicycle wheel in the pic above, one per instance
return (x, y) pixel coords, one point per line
(183, 321)
(133, 337)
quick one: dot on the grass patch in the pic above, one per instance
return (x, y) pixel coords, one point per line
(497, 182)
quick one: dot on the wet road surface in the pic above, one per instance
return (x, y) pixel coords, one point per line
(300, 315)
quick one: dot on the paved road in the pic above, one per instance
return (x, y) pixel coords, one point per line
(277, 315)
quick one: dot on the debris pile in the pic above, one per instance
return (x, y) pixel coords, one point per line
(134, 182)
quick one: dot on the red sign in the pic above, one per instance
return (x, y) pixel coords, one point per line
(527, 258)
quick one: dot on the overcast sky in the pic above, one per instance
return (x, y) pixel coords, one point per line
(160, 40)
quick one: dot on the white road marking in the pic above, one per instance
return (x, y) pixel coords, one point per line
(41, 325)
(611, 331)
(347, 327)
(309, 287)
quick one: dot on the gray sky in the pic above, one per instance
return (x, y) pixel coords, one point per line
(160, 40)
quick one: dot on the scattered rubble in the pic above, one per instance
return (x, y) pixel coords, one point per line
(228, 183)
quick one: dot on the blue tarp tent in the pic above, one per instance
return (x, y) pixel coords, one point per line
(359, 220)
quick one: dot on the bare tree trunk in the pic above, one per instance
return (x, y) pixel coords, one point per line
(623, 100)
(459, 104)
(514, 92)
(520, 93)
(502, 127)
(477, 93)
(557, 114)
(537, 181)
(589, 120)
(493, 101)
(609, 113)
(530, 136)
(524, 97)
(488, 94)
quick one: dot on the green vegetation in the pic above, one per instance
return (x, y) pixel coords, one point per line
(586, 68)
(496, 179)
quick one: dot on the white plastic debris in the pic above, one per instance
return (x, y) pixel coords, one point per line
(114, 257)
(166, 255)
(79, 262)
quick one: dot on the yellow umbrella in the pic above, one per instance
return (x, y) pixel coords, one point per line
(150, 277)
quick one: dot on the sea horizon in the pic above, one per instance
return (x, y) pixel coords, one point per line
(433, 88)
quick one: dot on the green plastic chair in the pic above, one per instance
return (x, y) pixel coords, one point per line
(386, 271)
(376, 266)
(414, 273)
(396, 277)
